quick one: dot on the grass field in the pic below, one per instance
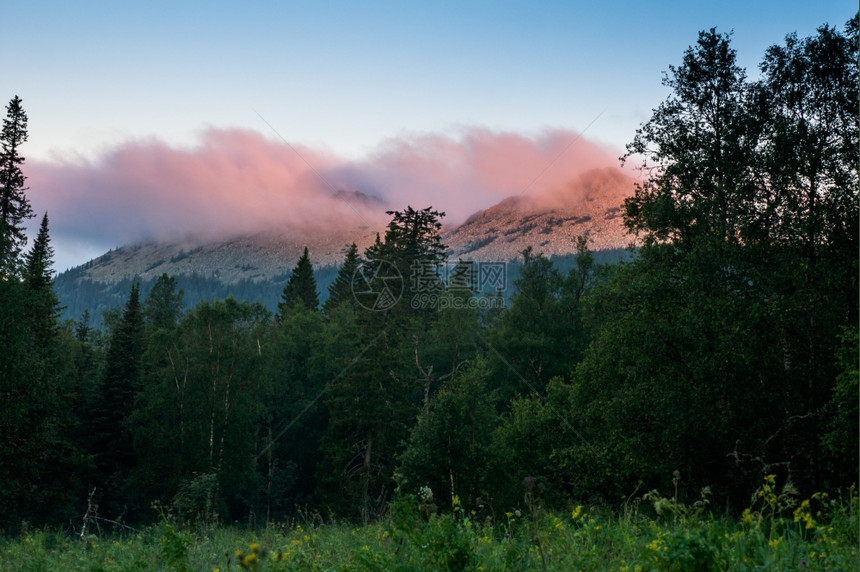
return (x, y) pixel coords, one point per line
(779, 531)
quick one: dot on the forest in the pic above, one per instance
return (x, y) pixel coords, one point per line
(722, 354)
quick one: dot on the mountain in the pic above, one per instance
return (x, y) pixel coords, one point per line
(256, 267)
(591, 205)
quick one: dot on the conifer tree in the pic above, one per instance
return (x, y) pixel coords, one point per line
(412, 237)
(301, 288)
(43, 305)
(341, 290)
(14, 206)
(114, 403)
(35, 418)
(370, 405)
(83, 328)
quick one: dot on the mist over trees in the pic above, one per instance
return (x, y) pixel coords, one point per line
(725, 349)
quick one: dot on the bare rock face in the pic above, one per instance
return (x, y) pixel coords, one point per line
(257, 257)
(591, 206)
(549, 222)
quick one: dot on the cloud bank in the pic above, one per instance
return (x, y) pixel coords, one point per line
(236, 182)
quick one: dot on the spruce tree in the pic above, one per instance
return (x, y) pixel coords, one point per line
(114, 403)
(14, 206)
(341, 290)
(371, 402)
(412, 236)
(301, 288)
(43, 305)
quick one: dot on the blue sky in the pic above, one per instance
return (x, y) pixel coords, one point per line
(345, 77)
(348, 75)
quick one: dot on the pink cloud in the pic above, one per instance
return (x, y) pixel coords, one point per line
(240, 182)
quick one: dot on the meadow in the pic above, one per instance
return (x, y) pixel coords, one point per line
(778, 531)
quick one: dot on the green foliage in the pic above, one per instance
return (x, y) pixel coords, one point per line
(195, 501)
(40, 466)
(820, 533)
(111, 440)
(341, 290)
(450, 447)
(198, 409)
(723, 352)
(843, 411)
(373, 400)
(412, 242)
(164, 303)
(14, 207)
(715, 348)
(301, 288)
(299, 360)
(174, 547)
(542, 334)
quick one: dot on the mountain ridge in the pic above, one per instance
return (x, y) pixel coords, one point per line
(591, 205)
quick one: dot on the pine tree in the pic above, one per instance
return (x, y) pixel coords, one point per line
(412, 237)
(82, 327)
(114, 403)
(37, 421)
(341, 290)
(301, 288)
(373, 400)
(43, 305)
(14, 206)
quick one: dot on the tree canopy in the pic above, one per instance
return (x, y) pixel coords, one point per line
(301, 288)
(14, 207)
(723, 351)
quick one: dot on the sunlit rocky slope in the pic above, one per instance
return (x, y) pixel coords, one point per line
(591, 205)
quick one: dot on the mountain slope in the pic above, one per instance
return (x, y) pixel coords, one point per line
(255, 267)
(590, 205)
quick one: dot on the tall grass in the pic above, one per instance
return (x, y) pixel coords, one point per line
(779, 531)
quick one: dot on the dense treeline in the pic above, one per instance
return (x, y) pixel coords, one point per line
(724, 350)
(79, 294)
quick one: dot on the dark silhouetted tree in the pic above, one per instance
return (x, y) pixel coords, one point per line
(163, 304)
(114, 402)
(41, 466)
(412, 242)
(341, 290)
(301, 288)
(43, 306)
(14, 206)
(717, 347)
